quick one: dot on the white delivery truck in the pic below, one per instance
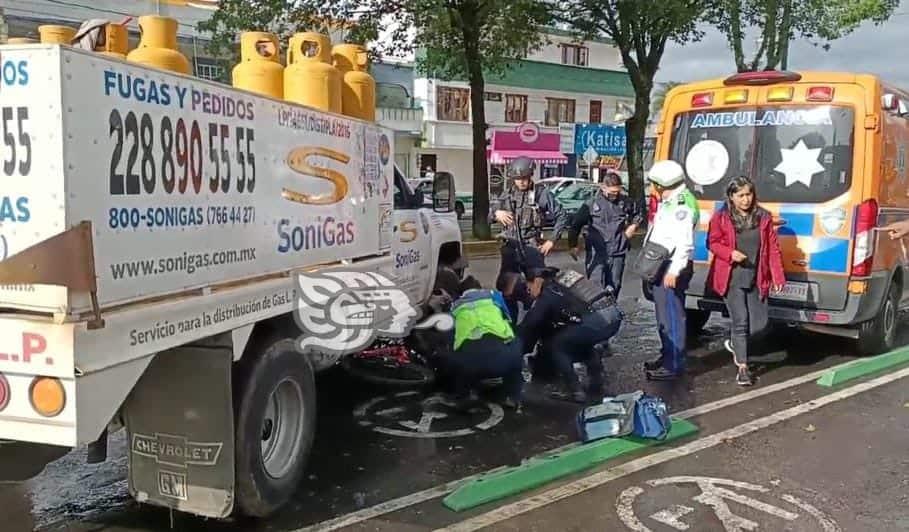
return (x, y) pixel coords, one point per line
(153, 228)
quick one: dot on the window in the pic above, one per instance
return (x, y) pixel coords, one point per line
(209, 71)
(453, 104)
(773, 145)
(493, 96)
(596, 111)
(515, 108)
(573, 54)
(559, 111)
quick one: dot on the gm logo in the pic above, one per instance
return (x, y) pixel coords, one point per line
(299, 161)
(172, 485)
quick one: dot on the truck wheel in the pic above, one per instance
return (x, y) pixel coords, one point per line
(695, 320)
(879, 334)
(276, 415)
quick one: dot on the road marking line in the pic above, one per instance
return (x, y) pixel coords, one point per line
(436, 492)
(598, 479)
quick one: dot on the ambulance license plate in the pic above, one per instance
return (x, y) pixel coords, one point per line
(792, 292)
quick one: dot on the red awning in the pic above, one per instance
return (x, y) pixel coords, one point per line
(541, 156)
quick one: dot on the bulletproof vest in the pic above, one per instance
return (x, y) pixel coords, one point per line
(526, 211)
(579, 291)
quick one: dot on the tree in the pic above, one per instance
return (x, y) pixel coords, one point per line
(780, 21)
(456, 39)
(640, 29)
(468, 39)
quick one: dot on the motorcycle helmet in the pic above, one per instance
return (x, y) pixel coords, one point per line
(521, 168)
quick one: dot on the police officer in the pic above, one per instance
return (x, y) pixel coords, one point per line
(611, 218)
(592, 317)
(485, 346)
(522, 211)
(673, 228)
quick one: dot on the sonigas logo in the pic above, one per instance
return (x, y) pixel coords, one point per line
(298, 161)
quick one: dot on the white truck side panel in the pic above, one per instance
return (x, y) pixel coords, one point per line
(187, 182)
(32, 194)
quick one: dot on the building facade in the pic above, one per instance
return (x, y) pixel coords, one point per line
(529, 109)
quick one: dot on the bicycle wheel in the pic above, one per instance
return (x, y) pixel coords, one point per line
(389, 373)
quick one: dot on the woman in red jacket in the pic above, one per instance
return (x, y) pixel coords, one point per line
(747, 264)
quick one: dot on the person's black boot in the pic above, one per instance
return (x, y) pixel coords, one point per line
(654, 364)
(662, 374)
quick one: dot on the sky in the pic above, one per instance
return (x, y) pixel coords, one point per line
(869, 49)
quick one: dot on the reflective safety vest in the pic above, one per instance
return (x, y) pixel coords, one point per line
(478, 313)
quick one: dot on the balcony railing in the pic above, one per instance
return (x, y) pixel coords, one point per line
(400, 118)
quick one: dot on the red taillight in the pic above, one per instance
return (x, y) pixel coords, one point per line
(766, 77)
(819, 94)
(4, 392)
(863, 247)
(702, 99)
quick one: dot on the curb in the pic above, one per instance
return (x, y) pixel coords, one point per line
(550, 466)
(860, 368)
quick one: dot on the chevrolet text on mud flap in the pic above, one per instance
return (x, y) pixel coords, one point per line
(153, 248)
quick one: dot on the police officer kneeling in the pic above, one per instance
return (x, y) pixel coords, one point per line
(593, 316)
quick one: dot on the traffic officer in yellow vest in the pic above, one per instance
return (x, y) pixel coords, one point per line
(485, 345)
(673, 230)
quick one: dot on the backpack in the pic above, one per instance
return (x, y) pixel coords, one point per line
(612, 418)
(651, 418)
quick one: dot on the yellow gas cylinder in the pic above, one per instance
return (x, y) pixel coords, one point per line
(51, 34)
(20, 40)
(358, 92)
(259, 69)
(310, 78)
(158, 45)
(116, 41)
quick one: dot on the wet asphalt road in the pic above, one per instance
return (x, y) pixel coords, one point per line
(373, 446)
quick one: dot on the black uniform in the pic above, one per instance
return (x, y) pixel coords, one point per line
(529, 209)
(594, 318)
(606, 244)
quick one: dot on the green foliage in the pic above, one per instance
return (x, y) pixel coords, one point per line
(640, 29)
(780, 21)
(281, 18)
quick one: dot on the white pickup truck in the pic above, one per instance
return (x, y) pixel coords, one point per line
(153, 229)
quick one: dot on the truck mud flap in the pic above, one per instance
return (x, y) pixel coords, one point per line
(180, 424)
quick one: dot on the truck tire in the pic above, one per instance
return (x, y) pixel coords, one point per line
(275, 427)
(695, 320)
(878, 335)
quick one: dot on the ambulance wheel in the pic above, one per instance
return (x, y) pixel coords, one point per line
(879, 334)
(275, 427)
(695, 320)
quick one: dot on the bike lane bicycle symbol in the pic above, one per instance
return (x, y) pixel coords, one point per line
(410, 415)
(715, 494)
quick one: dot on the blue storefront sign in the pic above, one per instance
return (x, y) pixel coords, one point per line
(605, 139)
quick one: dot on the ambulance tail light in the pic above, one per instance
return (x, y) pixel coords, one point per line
(863, 248)
(819, 94)
(702, 99)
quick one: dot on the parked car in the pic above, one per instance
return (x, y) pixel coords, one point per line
(463, 201)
